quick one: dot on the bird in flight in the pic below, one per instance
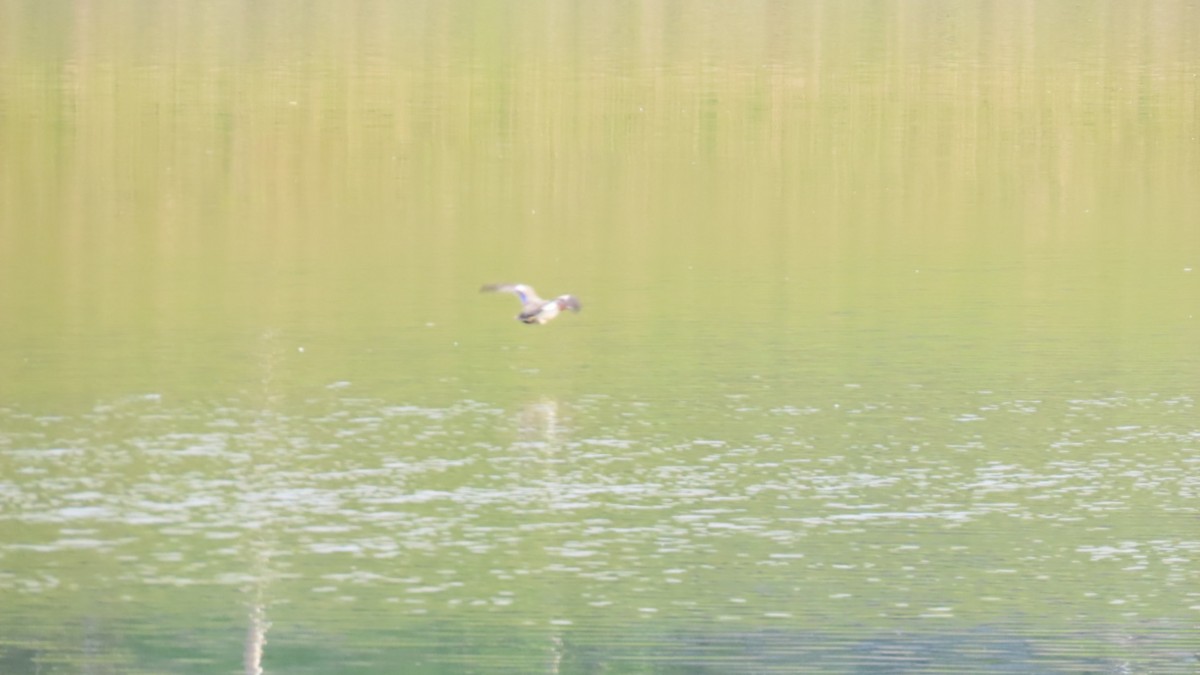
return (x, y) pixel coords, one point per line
(533, 308)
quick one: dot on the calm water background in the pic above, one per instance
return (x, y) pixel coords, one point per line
(889, 360)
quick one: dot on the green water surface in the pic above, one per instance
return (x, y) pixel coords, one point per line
(888, 361)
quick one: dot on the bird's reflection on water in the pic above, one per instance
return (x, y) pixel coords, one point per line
(538, 422)
(539, 425)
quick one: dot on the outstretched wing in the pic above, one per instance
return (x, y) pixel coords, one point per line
(524, 292)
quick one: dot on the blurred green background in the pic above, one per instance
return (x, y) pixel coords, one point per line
(889, 350)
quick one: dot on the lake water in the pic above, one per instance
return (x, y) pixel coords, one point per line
(889, 356)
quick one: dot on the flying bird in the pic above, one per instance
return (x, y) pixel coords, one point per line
(533, 308)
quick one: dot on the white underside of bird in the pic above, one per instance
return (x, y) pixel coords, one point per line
(533, 308)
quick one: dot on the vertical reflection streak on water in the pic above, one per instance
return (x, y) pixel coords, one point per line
(256, 630)
(267, 448)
